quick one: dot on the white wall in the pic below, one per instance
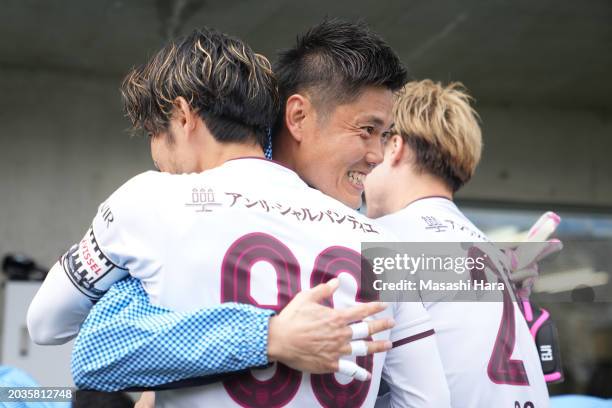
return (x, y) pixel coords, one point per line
(536, 154)
(64, 149)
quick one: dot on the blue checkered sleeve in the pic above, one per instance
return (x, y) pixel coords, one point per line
(126, 342)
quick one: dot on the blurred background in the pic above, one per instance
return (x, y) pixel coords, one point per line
(539, 73)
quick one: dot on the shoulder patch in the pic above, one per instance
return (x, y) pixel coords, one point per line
(89, 269)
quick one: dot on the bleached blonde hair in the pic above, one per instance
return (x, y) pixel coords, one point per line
(441, 127)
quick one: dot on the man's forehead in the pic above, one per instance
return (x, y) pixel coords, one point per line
(377, 119)
(373, 105)
(374, 116)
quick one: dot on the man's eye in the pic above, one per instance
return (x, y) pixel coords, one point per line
(368, 129)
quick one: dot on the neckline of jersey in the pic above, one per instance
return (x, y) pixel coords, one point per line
(427, 198)
(263, 160)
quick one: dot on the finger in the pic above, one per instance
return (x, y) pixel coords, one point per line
(358, 348)
(526, 254)
(531, 252)
(379, 325)
(360, 330)
(351, 369)
(553, 245)
(372, 347)
(522, 274)
(361, 311)
(323, 290)
(544, 227)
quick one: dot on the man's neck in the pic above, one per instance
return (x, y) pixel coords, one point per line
(419, 186)
(219, 153)
(284, 149)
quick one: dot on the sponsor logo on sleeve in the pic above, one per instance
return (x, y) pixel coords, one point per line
(89, 269)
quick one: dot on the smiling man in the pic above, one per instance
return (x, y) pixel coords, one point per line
(310, 134)
(335, 116)
(358, 106)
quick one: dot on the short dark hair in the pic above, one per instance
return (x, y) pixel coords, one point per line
(97, 399)
(334, 60)
(232, 88)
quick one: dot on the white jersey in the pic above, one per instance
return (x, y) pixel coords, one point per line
(249, 231)
(488, 354)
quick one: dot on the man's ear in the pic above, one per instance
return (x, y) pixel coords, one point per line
(184, 116)
(297, 110)
(396, 149)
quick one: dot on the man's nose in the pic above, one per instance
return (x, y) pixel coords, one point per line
(374, 155)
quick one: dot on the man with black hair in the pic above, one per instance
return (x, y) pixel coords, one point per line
(337, 88)
(304, 218)
(96, 399)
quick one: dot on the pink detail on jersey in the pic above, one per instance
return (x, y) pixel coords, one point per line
(478, 274)
(536, 326)
(243, 254)
(245, 389)
(337, 259)
(552, 377)
(281, 388)
(250, 157)
(278, 294)
(502, 369)
(415, 337)
(528, 311)
(329, 392)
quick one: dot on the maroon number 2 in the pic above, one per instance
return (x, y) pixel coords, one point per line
(280, 389)
(502, 369)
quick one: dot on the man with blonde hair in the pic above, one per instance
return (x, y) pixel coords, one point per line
(436, 145)
(486, 349)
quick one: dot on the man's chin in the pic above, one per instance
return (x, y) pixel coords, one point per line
(345, 197)
(352, 201)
